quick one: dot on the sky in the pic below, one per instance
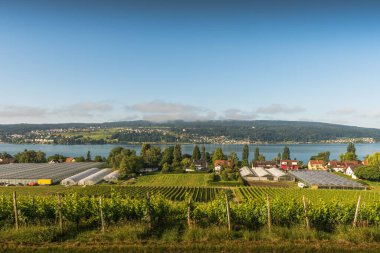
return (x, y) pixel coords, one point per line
(99, 61)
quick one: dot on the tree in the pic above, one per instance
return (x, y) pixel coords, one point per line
(88, 156)
(56, 157)
(261, 158)
(286, 153)
(325, 156)
(217, 155)
(245, 155)
(186, 162)
(234, 158)
(31, 156)
(166, 167)
(374, 159)
(351, 148)
(203, 153)
(144, 148)
(371, 173)
(167, 156)
(196, 153)
(151, 157)
(256, 154)
(131, 164)
(177, 156)
(79, 159)
(350, 155)
(98, 158)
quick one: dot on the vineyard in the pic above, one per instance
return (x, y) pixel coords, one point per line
(326, 195)
(286, 210)
(174, 180)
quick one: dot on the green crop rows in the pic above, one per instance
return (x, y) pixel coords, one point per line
(346, 196)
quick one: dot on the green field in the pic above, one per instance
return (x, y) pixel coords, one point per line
(194, 180)
(342, 196)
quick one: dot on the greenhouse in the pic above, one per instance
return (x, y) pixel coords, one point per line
(42, 173)
(73, 180)
(279, 175)
(262, 174)
(112, 176)
(95, 178)
(324, 179)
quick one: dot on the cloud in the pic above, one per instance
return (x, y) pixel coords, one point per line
(279, 109)
(87, 109)
(342, 111)
(160, 111)
(15, 112)
(236, 114)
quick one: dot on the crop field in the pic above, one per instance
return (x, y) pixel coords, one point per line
(175, 193)
(327, 195)
(196, 180)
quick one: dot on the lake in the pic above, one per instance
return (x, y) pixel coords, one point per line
(299, 151)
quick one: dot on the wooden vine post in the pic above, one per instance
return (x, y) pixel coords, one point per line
(101, 215)
(269, 218)
(15, 210)
(149, 211)
(357, 211)
(60, 220)
(188, 213)
(305, 211)
(228, 213)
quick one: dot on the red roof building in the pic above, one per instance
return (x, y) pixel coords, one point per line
(289, 164)
(223, 163)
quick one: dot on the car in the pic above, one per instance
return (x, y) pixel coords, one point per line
(32, 184)
(302, 185)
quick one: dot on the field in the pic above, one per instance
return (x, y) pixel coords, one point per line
(346, 196)
(195, 180)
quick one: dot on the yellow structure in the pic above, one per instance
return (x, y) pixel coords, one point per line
(44, 181)
(316, 165)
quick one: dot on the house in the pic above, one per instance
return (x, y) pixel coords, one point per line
(336, 166)
(350, 172)
(264, 164)
(221, 164)
(70, 160)
(289, 165)
(200, 165)
(7, 160)
(316, 165)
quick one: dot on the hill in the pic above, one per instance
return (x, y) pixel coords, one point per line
(197, 131)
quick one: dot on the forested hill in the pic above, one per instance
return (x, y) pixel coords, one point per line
(259, 130)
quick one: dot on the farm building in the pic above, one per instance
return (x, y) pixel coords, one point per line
(42, 173)
(95, 178)
(112, 176)
(264, 164)
(325, 180)
(73, 180)
(261, 174)
(279, 175)
(245, 172)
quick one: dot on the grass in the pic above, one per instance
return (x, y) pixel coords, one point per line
(136, 237)
(195, 180)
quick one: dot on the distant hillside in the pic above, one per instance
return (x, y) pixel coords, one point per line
(259, 130)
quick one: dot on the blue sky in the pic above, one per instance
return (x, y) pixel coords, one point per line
(96, 61)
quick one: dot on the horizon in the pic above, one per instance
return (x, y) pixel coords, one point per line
(99, 62)
(187, 121)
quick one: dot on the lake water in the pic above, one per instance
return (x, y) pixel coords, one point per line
(299, 151)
